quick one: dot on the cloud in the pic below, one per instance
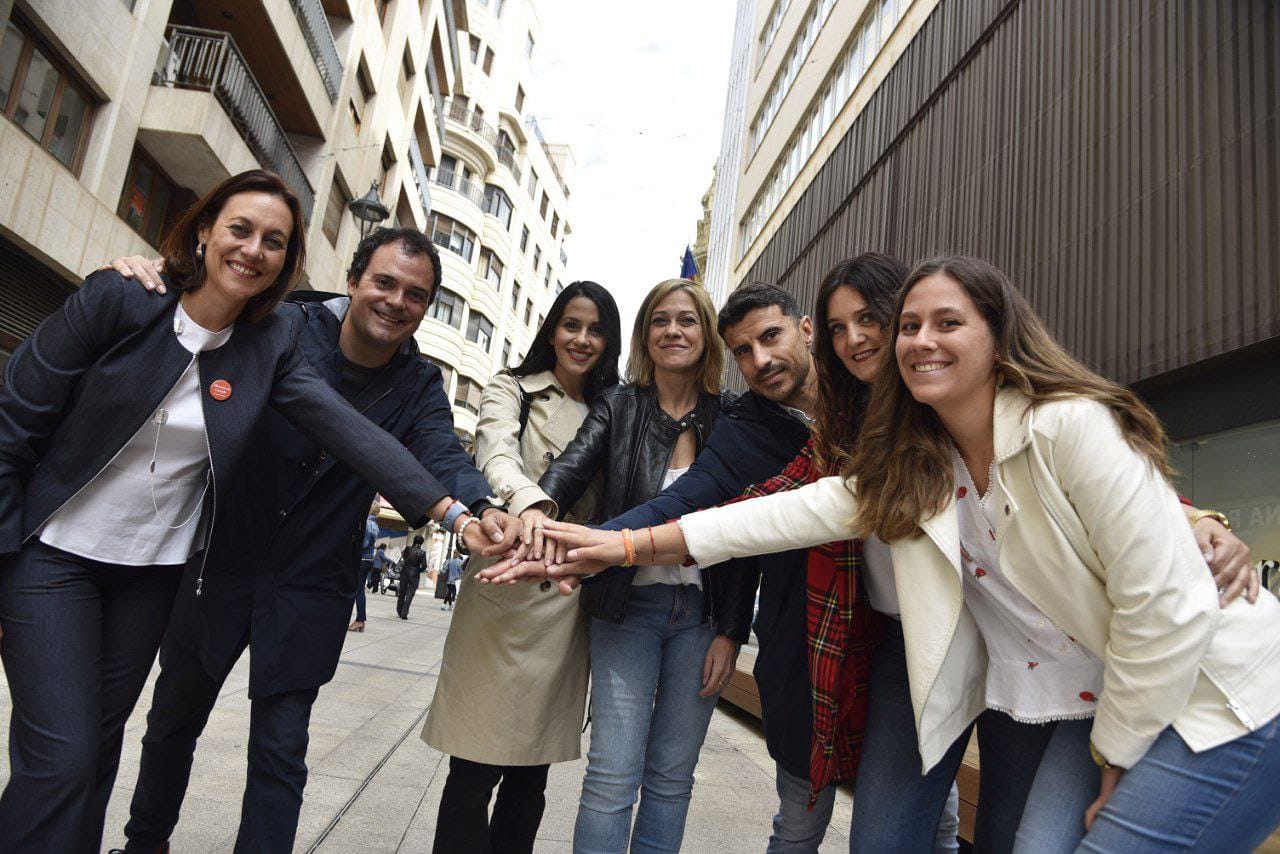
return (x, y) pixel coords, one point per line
(637, 91)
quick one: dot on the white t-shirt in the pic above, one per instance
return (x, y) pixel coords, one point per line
(877, 575)
(129, 515)
(670, 574)
(1036, 672)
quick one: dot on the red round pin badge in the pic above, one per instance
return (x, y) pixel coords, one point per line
(219, 389)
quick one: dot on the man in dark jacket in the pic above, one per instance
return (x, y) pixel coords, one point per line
(284, 582)
(415, 561)
(754, 438)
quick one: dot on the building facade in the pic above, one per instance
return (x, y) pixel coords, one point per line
(1120, 159)
(119, 113)
(500, 207)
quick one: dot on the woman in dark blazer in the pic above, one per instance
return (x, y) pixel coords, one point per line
(122, 419)
(673, 632)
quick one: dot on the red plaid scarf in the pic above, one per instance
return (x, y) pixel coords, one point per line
(842, 631)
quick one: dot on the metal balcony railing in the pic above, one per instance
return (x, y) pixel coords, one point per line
(420, 175)
(507, 157)
(209, 61)
(460, 112)
(315, 28)
(460, 185)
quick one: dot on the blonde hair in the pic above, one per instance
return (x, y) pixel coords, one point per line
(902, 458)
(711, 363)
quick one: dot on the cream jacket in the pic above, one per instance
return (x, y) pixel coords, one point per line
(1098, 541)
(513, 682)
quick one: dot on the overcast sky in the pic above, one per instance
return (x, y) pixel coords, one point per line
(637, 90)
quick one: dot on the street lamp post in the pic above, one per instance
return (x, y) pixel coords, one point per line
(369, 210)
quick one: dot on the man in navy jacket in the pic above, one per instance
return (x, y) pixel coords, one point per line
(281, 572)
(754, 439)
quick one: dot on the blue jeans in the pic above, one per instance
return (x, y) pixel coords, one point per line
(1224, 800)
(647, 721)
(800, 830)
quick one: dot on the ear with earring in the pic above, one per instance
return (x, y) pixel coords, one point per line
(199, 251)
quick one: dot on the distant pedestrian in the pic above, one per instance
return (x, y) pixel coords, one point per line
(369, 536)
(415, 561)
(451, 574)
(380, 563)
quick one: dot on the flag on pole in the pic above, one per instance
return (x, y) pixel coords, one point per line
(688, 267)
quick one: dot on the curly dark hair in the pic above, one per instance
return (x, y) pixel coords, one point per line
(412, 242)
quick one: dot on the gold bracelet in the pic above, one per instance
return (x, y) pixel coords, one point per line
(1221, 518)
(1098, 758)
(629, 547)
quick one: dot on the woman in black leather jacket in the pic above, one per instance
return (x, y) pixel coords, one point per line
(663, 640)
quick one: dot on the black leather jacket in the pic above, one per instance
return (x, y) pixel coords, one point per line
(629, 438)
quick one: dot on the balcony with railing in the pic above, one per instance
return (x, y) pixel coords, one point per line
(461, 113)
(465, 187)
(507, 157)
(209, 61)
(315, 29)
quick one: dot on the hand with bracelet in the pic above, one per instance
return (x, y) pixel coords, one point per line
(589, 550)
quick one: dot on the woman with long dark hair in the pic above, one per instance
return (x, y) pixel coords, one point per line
(513, 683)
(122, 419)
(663, 641)
(1051, 589)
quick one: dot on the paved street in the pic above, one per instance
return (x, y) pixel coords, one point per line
(374, 786)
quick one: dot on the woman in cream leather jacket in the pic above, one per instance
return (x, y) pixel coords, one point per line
(1069, 543)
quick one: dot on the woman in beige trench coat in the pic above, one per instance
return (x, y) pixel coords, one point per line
(513, 683)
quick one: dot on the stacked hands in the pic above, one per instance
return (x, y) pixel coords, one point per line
(550, 550)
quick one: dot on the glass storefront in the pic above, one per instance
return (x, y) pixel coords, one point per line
(1238, 473)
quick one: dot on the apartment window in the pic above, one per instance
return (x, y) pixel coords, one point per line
(506, 353)
(488, 60)
(381, 7)
(491, 267)
(384, 166)
(480, 330)
(467, 394)
(498, 203)
(537, 257)
(546, 282)
(542, 209)
(475, 50)
(405, 82)
(447, 307)
(559, 287)
(334, 208)
(519, 99)
(35, 89)
(555, 223)
(542, 318)
(446, 372)
(452, 235)
(528, 310)
(515, 296)
(528, 45)
(150, 199)
(447, 170)
(524, 238)
(532, 184)
(770, 31)
(360, 95)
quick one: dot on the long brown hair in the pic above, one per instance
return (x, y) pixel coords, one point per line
(876, 278)
(187, 272)
(903, 455)
(710, 365)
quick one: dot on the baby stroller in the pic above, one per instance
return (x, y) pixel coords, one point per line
(390, 577)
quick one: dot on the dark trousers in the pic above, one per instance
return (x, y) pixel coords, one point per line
(463, 825)
(362, 578)
(405, 588)
(184, 696)
(79, 640)
(450, 593)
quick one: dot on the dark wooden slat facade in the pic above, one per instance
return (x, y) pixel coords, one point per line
(1119, 158)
